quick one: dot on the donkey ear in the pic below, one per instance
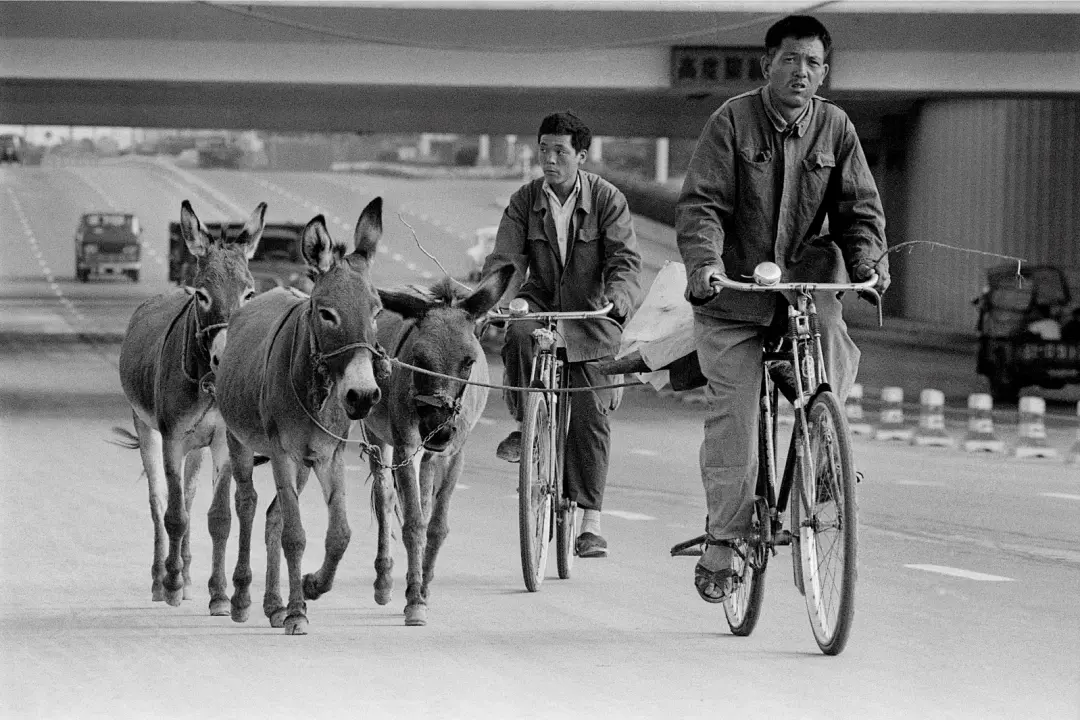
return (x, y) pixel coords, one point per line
(488, 292)
(317, 245)
(368, 229)
(406, 303)
(196, 236)
(253, 229)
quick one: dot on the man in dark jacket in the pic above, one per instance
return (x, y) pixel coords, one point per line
(571, 238)
(770, 169)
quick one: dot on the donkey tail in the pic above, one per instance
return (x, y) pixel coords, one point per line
(128, 440)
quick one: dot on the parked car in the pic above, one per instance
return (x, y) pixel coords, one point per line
(1029, 328)
(278, 259)
(107, 243)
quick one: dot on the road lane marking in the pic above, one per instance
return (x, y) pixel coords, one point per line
(642, 451)
(485, 421)
(960, 573)
(462, 486)
(1060, 496)
(627, 515)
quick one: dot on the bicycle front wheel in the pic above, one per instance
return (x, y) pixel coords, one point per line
(828, 519)
(535, 489)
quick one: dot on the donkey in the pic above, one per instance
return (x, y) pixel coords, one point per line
(296, 373)
(172, 346)
(428, 414)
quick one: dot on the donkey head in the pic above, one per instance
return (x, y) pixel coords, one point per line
(444, 342)
(343, 309)
(222, 281)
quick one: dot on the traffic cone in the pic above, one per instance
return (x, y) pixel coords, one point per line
(931, 430)
(857, 423)
(1032, 430)
(980, 435)
(891, 425)
(1074, 453)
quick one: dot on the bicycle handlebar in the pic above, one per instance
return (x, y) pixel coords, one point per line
(508, 314)
(722, 281)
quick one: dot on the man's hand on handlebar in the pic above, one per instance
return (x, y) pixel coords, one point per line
(865, 270)
(702, 284)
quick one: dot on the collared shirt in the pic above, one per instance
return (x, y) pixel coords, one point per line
(761, 189)
(562, 212)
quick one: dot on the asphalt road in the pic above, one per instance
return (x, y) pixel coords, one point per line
(968, 564)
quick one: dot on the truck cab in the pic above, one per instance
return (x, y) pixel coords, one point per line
(107, 243)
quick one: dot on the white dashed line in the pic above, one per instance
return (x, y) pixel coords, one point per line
(485, 421)
(960, 573)
(1060, 496)
(461, 486)
(627, 515)
(643, 451)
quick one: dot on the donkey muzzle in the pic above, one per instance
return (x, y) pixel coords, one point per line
(217, 349)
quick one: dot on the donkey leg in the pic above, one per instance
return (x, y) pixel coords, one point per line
(413, 532)
(192, 465)
(289, 478)
(273, 607)
(332, 478)
(449, 469)
(219, 522)
(383, 499)
(242, 461)
(150, 450)
(176, 518)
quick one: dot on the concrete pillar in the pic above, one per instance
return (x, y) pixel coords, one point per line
(511, 150)
(483, 155)
(423, 145)
(596, 150)
(661, 160)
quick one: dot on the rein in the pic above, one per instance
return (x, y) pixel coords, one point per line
(588, 388)
(205, 383)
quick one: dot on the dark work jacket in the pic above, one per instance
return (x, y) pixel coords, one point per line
(753, 194)
(603, 260)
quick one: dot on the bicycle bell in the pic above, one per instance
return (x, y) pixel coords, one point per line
(767, 273)
(519, 306)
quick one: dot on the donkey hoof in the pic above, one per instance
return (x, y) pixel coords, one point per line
(277, 617)
(383, 595)
(174, 597)
(296, 625)
(219, 607)
(240, 611)
(415, 615)
(311, 588)
(157, 592)
(187, 592)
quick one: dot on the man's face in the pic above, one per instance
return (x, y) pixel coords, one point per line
(795, 71)
(559, 160)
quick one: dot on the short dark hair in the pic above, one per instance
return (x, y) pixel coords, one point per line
(798, 27)
(566, 123)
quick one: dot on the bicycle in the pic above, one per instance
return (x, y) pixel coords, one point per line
(819, 471)
(544, 508)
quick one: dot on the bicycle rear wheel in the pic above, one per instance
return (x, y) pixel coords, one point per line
(535, 489)
(828, 531)
(742, 607)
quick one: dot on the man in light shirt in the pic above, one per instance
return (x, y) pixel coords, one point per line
(571, 238)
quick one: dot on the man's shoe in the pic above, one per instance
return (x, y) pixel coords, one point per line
(590, 545)
(510, 448)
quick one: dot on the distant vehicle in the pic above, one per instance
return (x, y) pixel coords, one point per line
(278, 260)
(1029, 329)
(217, 153)
(10, 149)
(107, 243)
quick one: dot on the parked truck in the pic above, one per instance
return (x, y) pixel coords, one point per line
(107, 243)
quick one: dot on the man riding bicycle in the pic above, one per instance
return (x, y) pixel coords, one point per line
(571, 237)
(773, 170)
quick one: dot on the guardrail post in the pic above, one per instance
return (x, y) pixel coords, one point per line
(980, 435)
(1032, 430)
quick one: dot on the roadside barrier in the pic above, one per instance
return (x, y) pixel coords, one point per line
(931, 429)
(980, 435)
(857, 422)
(1074, 454)
(1032, 430)
(891, 424)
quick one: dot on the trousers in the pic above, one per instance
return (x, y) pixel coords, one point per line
(589, 437)
(729, 352)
